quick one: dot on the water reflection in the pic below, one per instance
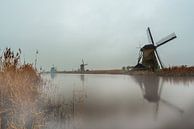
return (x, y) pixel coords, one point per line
(109, 101)
(53, 75)
(186, 81)
(53, 72)
(67, 113)
(151, 87)
(79, 98)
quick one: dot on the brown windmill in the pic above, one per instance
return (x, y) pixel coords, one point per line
(148, 56)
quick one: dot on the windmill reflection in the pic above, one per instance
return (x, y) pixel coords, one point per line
(151, 87)
(79, 98)
(79, 95)
(67, 113)
(53, 72)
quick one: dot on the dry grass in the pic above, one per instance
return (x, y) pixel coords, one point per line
(19, 94)
(178, 71)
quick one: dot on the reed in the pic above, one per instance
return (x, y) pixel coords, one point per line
(178, 71)
(19, 94)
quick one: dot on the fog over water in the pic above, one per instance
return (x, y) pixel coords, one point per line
(106, 33)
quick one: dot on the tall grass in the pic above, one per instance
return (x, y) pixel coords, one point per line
(19, 93)
(178, 71)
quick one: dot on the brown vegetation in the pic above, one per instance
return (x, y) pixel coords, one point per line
(178, 71)
(19, 84)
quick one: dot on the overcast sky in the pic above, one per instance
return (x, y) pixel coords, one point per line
(105, 33)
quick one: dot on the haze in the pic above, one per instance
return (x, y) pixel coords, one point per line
(105, 33)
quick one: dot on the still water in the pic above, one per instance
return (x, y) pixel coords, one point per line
(119, 102)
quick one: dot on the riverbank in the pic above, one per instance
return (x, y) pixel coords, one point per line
(170, 71)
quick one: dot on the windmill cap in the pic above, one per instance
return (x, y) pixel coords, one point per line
(149, 46)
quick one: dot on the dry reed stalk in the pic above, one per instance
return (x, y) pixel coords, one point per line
(178, 70)
(19, 95)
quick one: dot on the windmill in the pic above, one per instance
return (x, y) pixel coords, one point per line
(148, 55)
(82, 66)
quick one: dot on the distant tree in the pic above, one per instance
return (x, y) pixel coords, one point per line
(123, 68)
(128, 68)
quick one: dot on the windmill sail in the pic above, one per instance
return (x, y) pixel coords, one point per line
(82, 61)
(150, 38)
(166, 39)
(160, 62)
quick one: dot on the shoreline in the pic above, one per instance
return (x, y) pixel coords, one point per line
(131, 72)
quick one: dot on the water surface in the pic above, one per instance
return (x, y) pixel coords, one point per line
(119, 101)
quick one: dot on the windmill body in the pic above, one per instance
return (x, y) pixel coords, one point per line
(82, 66)
(149, 57)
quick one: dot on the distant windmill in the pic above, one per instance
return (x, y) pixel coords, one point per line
(82, 66)
(148, 55)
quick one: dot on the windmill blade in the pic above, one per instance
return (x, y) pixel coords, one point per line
(82, 61)
(140, 57)
(160, 62)
(150, 38)
(166, 39)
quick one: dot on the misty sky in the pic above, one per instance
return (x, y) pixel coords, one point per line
(105, 33)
